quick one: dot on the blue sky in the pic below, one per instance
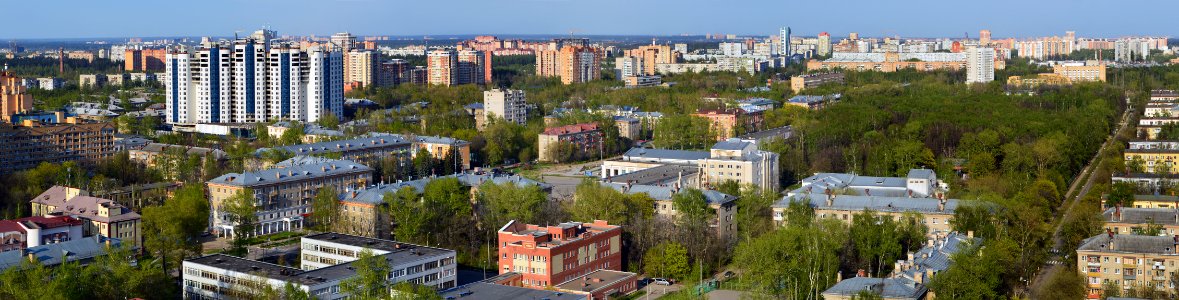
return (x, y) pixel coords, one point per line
(907, 18)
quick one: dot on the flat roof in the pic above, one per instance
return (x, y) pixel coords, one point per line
(491, 291)
(595, 280)
(644, 154)
(657, 175)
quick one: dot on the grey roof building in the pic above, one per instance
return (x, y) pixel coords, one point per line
(80, 250)
(910, 277)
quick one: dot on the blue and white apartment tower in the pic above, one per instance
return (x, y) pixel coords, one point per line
(253, 79)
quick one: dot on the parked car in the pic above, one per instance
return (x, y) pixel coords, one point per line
(661, 281)
(728, 274)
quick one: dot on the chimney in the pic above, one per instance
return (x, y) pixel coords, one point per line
(1118, 212)
(830, 197)
(896, 267)
(941, 205)
(861, 273)
(970, 233)
(1175, 243)
(919, 278)
(910, 256)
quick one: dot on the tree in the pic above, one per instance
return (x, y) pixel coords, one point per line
(876, 241)
(501, 203)
(1121, 193)
(1066, 283)
(371, 279)
(692, 207)
(293, 135)
(325, 209)
(1109, 289)
(593, 201)
(329, 121)
(171, 230)
(669, 259)
(241, 211)
(794, 262)
(754, 213)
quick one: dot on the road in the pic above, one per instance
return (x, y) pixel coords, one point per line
(1056, 261)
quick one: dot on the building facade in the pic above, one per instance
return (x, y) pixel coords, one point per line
(548, 256)
(326, 263)
(585, 138)
(1127, 261)
(574, 64)
(980, 65)
(506, 104)
(28, 146)
(98, 216)
(250, 80)
(14, 99)
(808, 81)
(283, 194)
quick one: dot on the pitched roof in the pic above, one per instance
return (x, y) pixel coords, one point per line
(644, 154)
(357, 144)
(1126, 243)
(731, 144)
(880, 204)
(88, 207)
(664, 193)
(291, 173)
(52, 254)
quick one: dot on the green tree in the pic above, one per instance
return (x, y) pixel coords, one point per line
(371, 279)
(501, 203)
(325, 209)
(668, 259)
(1121, 193)
(794, 262)
(1064, 284)
(171, 230)
(242, 212)
(692, 207)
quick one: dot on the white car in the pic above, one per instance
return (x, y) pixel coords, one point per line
(661, 281)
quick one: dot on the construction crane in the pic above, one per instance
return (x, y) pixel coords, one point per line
(573, 30)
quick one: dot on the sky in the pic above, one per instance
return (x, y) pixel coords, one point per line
(49, 19)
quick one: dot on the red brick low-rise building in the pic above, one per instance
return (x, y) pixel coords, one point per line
(548, 256)
(586, 137)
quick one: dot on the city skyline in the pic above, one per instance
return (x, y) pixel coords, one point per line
(545, 17)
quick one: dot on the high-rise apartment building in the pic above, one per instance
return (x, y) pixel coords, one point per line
(980, 65)
(653, 55)
(393, 72)
(362, 67)
(250, 80)
(450, 67)
(824, 47)
(984, 37)
(547, 256)
(506, 104)
(442, 66)
(13, 98)
(144, 59)
(580, 64)
(784, 41)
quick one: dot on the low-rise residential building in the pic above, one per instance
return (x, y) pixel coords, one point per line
(283, 194)
(443, 147)
(547, 256)
(910, 278)
(812, 102)
(918, 183)
(1127, 261)
(92, 80)
(81, 251)
(312, 133)
(723, 204)
(628, 127)
(1164, 96)
(727, 123)
(808, 81)
(100, 217)
(1133, 220)
(585, 138)
(642, 80)
(326, 262)
(936, 212)
(1154, 159)
(149, 154)
(1083, 72)
(50, 83)
(28, 146)
(363, 210)
(1037, 80)
(368, 150)
(35, 231)
(730, 160)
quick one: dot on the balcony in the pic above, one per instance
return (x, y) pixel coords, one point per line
(1129, 277)
(1093, 263)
